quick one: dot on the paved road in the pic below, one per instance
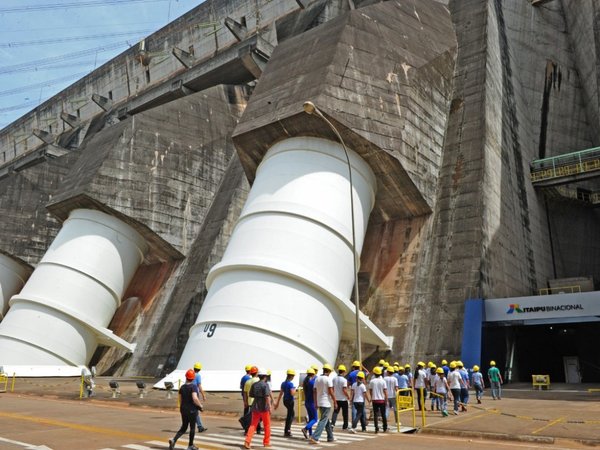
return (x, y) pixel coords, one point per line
(30, 423)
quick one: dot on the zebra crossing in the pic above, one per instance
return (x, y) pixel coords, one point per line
(234, 440)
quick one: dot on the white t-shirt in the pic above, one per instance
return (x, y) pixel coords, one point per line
(339, 383)
(391, 383)
(440, 385)
(377, 387)
(454, 379)
(359, 392)
(322, 386)
(420, 382)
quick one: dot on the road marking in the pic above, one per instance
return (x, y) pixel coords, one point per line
(80, 427)
(554, 422)
(197, 444)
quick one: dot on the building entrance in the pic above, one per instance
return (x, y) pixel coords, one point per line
(568, 352)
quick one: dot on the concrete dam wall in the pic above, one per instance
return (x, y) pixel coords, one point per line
(446, 104)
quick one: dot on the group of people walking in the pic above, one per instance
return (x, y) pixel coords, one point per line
(346, 392)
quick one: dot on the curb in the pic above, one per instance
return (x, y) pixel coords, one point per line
(488, 435)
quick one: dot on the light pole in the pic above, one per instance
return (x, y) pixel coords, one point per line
(311, 108)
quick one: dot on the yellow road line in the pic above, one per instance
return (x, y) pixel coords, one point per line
(99, 430)
(554, 422)
(477, 416)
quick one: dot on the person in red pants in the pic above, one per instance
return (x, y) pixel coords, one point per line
(261, 409)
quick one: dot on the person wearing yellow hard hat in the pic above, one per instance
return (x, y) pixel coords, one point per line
(446, 368)
(455, 383)
(391, 383)
(420, 385)
(324, 400)
(248, 400)
(309, 402)
(245, 378)
(287, 391)
(342, 396)
(198, 382)
(189, 405)
(495, 379)
(359, 395)
(410, 375)
(441, 388)
(464, 389)
(403, 380)
(431, 377)
(379, 396)
(352, 379)
(478, 384)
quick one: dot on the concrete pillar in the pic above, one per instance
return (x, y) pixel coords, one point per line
(56, 322)
(13, 275)
(276, 298)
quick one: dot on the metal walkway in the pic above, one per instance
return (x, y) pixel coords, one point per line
(567, 168)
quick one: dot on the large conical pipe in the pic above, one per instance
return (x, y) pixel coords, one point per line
(56, 322)
(13, 274)
(280, 295)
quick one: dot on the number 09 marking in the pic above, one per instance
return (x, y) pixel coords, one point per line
(209, 329)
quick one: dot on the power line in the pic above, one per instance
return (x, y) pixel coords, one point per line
(61, 66)
(42, 84)
(73, 38)
(52, 59)
(80, 4)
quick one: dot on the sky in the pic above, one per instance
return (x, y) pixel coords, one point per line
(46, 45)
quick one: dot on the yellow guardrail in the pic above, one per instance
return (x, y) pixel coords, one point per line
(406, 403)
(540, 381)
(560, 290)
(300, 403)
(4, 379)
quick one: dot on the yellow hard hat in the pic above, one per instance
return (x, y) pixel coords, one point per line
(475, 368)
(453, 365)
(492, 363)
(377, 370)
(386, 364)
(248, 367)
(460, 364)
(439, 370)
(390, 369)
(401, 368)
(381, 362)
(327, 367)
(269, 372)
(310, 371)
(421, 363)
(407, 366)
(356, 364)
(396, 363)
(341, 368)
(315, 367)
(360, 374)
(430, 364)
(433, 366)
(291, 372)
(444, 362)
(197, 366)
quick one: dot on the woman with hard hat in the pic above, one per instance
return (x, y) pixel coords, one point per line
(359, 395)
(478, 384)
(311, 410)
(420, 385)
(288, 390)
(189, 405)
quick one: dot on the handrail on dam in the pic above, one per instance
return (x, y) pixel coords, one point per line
(570, 164)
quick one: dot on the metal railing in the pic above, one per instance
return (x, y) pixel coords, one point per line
(584, 161)
(560, 290)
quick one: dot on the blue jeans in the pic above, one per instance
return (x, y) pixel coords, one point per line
(324, 424)
(199, 422)
(312, 416)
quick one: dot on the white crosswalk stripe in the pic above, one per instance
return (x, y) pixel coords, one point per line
(233, 440)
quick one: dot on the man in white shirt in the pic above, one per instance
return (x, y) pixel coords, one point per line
(455, 382)
(379, 396)
(391, 383)
(323, 392)
(340, 390)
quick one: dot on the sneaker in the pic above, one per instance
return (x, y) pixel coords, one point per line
(287, 434)
(455, 413)
(331, 440)
(479, 401)
(352, 430)
(201, 429)
(313, 441)
(247, 445)
(171, 444)
(192, 447)
(305, 433)
(267, 446)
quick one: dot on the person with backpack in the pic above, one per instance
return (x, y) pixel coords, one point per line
(261, 410)
(189, 405)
